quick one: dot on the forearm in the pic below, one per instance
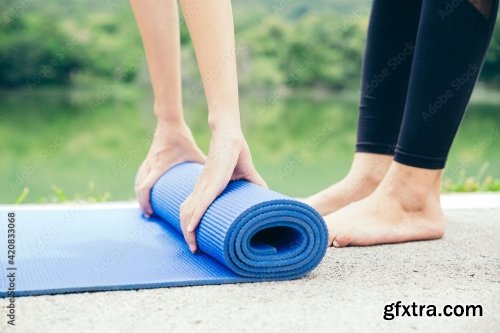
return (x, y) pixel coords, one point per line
(158, 22)
(210, 24)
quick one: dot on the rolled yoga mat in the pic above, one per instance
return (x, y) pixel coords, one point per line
(248, 234)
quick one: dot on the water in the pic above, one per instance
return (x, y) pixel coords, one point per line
(300, 142)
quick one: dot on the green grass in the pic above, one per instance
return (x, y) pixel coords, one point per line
(58, 195)
(477, 183)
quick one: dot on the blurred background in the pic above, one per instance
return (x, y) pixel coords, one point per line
(76, 113)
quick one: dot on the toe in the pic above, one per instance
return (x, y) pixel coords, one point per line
(341, 241)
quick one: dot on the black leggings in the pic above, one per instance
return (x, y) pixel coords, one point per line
(422, 60)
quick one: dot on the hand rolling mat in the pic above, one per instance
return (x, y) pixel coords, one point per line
(248, 234)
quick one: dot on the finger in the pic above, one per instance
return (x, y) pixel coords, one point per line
(214, 178)
(140, 197)
(186, 212)
(139, 180)
(204, 199)
(190, 238)
(198, 212)
(143, 197)
(206, 191)
(254, 177)
(144, 192)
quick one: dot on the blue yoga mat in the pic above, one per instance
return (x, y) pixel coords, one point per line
(248, 234)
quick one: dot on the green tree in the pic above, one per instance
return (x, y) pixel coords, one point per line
(34, 51)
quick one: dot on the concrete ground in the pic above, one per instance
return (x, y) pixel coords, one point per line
(347, 292)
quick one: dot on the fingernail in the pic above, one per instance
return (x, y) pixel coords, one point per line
(335, 243)
(190, 228)
(192, 248)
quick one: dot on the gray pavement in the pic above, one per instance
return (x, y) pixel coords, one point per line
(346, 293)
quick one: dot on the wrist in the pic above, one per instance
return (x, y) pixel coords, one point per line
(170, 129)
(170, 122)
(229, 134)
(168, 113)
(224, 122)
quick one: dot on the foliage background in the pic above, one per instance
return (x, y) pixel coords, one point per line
(75, 105)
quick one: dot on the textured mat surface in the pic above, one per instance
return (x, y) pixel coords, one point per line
(248, 234)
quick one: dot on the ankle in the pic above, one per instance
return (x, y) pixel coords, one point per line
(414, 188)
(411, 197)
(360, 184)
(369, 168)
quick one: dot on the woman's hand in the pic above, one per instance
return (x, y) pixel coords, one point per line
(228, 158)
(173, 143)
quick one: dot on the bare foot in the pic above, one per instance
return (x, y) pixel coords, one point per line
(366, 172)
(405, 207)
